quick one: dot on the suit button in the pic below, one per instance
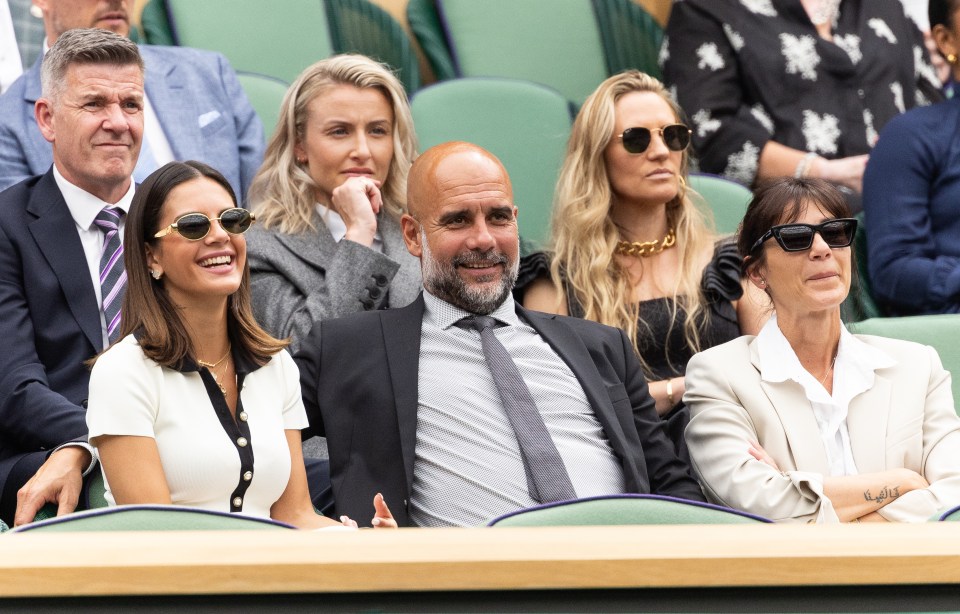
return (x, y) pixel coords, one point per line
(242, 442)
(83, 403)
(381, 280)
(367, 305)
(247, 476)
(242, 416)
(375, 293)
(237, 502)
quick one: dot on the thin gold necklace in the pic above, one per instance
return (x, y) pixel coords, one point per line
(646, 249)
(823, 380)
(213, 365)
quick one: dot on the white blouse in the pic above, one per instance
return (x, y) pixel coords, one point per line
(853, 373)
(210, 460)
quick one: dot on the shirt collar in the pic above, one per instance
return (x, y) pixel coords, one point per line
(445, 315)
(83, 205)
(336, 225)
(242, 364)
(778, 361)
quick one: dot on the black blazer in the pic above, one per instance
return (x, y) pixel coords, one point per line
(359, 380)
(49, 323)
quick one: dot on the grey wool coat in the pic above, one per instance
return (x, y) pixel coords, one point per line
(298, 279)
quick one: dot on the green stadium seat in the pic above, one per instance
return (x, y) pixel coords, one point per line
(524, 124)
(425, 24)
(278, 38)
(553, 42)
(631, 36)
(265, 95)
(725, 200)
(360, 26)
(942, 332)
(624, 510)
(151, 518)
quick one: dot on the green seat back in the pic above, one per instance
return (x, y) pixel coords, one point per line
(96, 494)
(554, 42)
(725, 200)
(265, 95)
(524, 124)
(360, 26)
(860, 304)
(155, 24)
(951, 515)
(625, 510)
(152, 518)
(425, 25)
(278, 38)
(631, 36)
(942, 332)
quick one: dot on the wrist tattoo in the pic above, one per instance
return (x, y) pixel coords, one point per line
(887, 492)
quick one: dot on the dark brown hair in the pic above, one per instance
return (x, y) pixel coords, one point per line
(782, 201)
(147, 308)
(941, 12)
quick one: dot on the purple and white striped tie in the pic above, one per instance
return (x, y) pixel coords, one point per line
(113, 278)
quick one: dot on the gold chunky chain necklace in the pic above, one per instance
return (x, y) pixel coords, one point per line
(646, 249)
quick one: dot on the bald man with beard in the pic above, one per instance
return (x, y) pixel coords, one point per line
(412, 408)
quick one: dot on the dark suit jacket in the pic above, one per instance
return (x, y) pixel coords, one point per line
(49, 322)
(359, 380)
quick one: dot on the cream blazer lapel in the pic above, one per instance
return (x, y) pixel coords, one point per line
(789, 403)
(867, 423)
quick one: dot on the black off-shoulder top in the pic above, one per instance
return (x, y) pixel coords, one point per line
(661, 340)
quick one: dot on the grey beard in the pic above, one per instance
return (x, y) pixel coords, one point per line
(444, 283)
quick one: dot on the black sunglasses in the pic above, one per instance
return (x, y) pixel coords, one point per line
(675, 136)
(195, 226)
(798, 237)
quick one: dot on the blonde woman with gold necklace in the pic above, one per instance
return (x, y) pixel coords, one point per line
(630, 249)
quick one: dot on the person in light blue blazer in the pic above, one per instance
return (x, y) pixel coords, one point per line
(202, 112)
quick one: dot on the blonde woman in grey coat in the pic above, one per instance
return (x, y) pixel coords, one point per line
(328, 199)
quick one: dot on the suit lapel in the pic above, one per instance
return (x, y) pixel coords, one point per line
(867, 424)
(571, 350)
(401, 337)
(789, 401)
(406, 282)
(55, 234)
(316, 248)
(174, 107)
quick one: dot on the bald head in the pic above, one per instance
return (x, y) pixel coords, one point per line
(453, 168)
(463, 226)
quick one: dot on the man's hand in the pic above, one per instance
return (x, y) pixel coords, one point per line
(59, 480)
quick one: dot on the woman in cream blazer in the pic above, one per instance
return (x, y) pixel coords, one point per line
(806, 422)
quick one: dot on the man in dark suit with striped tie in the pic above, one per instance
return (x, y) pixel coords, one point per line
(61, 267)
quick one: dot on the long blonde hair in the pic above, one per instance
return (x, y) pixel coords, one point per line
(283, 194)
(584, 236)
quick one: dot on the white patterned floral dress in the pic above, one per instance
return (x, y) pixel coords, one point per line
(750, 71)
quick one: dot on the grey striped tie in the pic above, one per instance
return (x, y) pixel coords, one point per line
(547, 478)
(113, 278)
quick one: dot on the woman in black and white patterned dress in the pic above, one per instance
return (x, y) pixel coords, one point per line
(793, 87)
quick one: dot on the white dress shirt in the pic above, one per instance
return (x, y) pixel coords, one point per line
(338, 228)
(84, 208)
(853, 374)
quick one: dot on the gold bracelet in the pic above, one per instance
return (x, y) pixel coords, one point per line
(670, 391)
